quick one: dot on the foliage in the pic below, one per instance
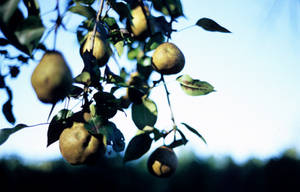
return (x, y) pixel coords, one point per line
(25, 34)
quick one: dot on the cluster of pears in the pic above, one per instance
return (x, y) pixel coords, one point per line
(52, 81)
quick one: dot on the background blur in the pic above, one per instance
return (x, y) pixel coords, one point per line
(255, 70)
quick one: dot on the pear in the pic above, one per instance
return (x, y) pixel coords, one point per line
(52, 78)
(168, 59)
(101, 49)
(139, 21)
(78, 146)
(162, 162)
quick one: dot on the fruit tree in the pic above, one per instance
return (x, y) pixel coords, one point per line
(141, 29)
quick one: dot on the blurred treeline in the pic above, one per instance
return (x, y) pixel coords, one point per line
(193, 174)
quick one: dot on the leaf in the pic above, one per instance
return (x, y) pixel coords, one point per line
(184, 140)
(137, 147)
(75, 91)
(58, 123)
(2, 82)
(4, 42)
(32, 7)
(7, 9)
(88, 2)
(7, 111)
(85, 11)
(195, 132)
(154, 42)
(211, 25)
(6, 132)
(96, 125)
(29, 32)
(177, 143)
(144, 114)
(122, 9)
(120, 47)
(83, 78)
(169, 7)
(194, 87)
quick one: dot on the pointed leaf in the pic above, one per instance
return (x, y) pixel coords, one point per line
(120, 47)
(177, 143)
(194, 131)
(194, 87)
(137, 147)
(211, 25)
(7, 9)
(7, 111)
(85, 11)
(89, 2)
(113, 135)
(58, 123)
(6, 132)
(29, 32)
(144, 114)
(183, 138)
(154, 42)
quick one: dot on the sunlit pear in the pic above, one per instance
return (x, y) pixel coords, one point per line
(162, 162)
(139, 20)
(78, 146)
(101, 49)
(52, 78)
(167, 59)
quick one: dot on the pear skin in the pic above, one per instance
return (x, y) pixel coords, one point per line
(52, 78)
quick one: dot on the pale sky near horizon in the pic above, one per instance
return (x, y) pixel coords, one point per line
(255, 70)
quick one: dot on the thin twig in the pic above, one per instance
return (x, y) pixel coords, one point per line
(169, 102)
(95, 26)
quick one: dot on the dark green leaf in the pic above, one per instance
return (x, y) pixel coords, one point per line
(3, 42)
(194, 131)
(154, 42)
(85, 11)
(7, 111)
(182, 135)
(144, 114)
(75, 91)
(137, 147)
(58, 123)
(32, 7)
(14, 71)
(111, 22)
(169, 7)
(2, 82)
(7, 9)
(122, 9)
(6, 132)
(88, 2)
(113, 135)
(211, 25)
(194, 87)
(177, 143)
(29, 32)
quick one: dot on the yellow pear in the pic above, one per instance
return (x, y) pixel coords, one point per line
(162, 162)
(167, 59)
(139, 20)
(101, 49)
(78, 146)
(52, 78)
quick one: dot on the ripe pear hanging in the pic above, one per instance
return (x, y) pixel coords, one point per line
(52, 78)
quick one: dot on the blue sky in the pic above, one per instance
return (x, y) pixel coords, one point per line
(255, 70)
